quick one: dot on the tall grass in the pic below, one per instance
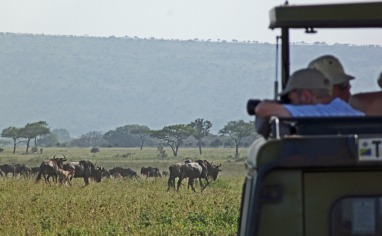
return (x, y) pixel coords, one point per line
(121, 207)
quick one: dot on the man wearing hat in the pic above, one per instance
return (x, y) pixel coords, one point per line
(332, 69)
(310, 94)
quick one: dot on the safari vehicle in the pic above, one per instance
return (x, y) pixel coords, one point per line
(315, 176)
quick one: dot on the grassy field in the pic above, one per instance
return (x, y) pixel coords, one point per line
(121, 207)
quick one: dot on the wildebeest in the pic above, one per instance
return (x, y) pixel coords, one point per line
(23, 170)
(117, 175)
(6, 169)
(48, 168)
(193, 170)
(213, 171)
(174, 173)
(124, 172)
(165, 173)
(84, 169)
(150, 172)
(35, 170)
(65, 176)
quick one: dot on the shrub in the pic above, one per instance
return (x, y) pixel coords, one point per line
(94, 150)
(161, 153)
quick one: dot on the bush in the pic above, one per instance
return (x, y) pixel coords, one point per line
(161, 153)
(94, 150)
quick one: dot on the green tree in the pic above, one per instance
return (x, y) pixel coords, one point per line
(92, 138)
(63, 135)
(238, 130)
(201, 129)
(128, 136)
(13, 133)
(141, 131)
(173, 135)
(34, 130)
(48, 140)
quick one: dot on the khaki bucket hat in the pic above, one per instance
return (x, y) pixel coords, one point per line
(307, 79)
(332, 68)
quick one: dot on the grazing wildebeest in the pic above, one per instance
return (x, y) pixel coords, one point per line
(165, 173)
(150, 172)
(35, 170)
(154, 172)
(145, 171)
(105, 172)
(6, 168)
(22, 170)
(49, 168)
(65, 176)
(117, 175)
(124, 172)
(194, 170)
(84, 169)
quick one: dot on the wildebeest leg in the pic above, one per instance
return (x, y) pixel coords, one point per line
(179, 183)
(47, 179)
(69, 180)
(86, 179)
(170, 183)
(205, 186)
(54, 177)
(191, 183)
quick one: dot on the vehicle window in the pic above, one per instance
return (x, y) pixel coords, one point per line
(361, 216)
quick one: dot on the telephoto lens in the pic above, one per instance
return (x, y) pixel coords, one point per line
(251, 106)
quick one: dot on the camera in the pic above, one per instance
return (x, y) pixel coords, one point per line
(251, 106)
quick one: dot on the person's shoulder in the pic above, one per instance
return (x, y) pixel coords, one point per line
(361, 98)
(366, 95)
(369, 103)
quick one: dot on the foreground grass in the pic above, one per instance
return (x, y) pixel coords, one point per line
(121, 207)
(118, 207)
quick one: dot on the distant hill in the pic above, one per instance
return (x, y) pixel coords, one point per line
(87, 84)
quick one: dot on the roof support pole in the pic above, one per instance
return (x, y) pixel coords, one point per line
(284, 56)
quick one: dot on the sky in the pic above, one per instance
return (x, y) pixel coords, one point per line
(228, 20)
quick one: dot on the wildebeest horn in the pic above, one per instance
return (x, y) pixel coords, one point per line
(64, 157)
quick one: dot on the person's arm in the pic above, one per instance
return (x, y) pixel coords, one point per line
(270, 108)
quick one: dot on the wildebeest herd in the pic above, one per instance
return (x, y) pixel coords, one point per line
(61, 171)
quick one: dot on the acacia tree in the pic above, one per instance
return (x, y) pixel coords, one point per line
(141, 131)
(92, 138)
(201, 129)
(238, 130)
(173, 135)
(34, 130)
(13, 133)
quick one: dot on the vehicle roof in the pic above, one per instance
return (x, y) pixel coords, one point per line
(349, 15)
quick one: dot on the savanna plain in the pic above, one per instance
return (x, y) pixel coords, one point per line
(141, 206)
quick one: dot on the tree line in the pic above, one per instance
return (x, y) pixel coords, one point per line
(196, 133)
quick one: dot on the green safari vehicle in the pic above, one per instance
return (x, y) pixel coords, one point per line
(315, 176)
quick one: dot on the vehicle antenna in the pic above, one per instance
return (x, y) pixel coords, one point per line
(276, 88)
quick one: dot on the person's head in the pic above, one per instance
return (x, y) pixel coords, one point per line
(332, 68)
(380, 80)
(307, 86)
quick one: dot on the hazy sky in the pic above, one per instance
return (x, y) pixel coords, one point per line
(168, 19)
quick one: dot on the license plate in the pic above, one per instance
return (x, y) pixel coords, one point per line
(370, 149)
